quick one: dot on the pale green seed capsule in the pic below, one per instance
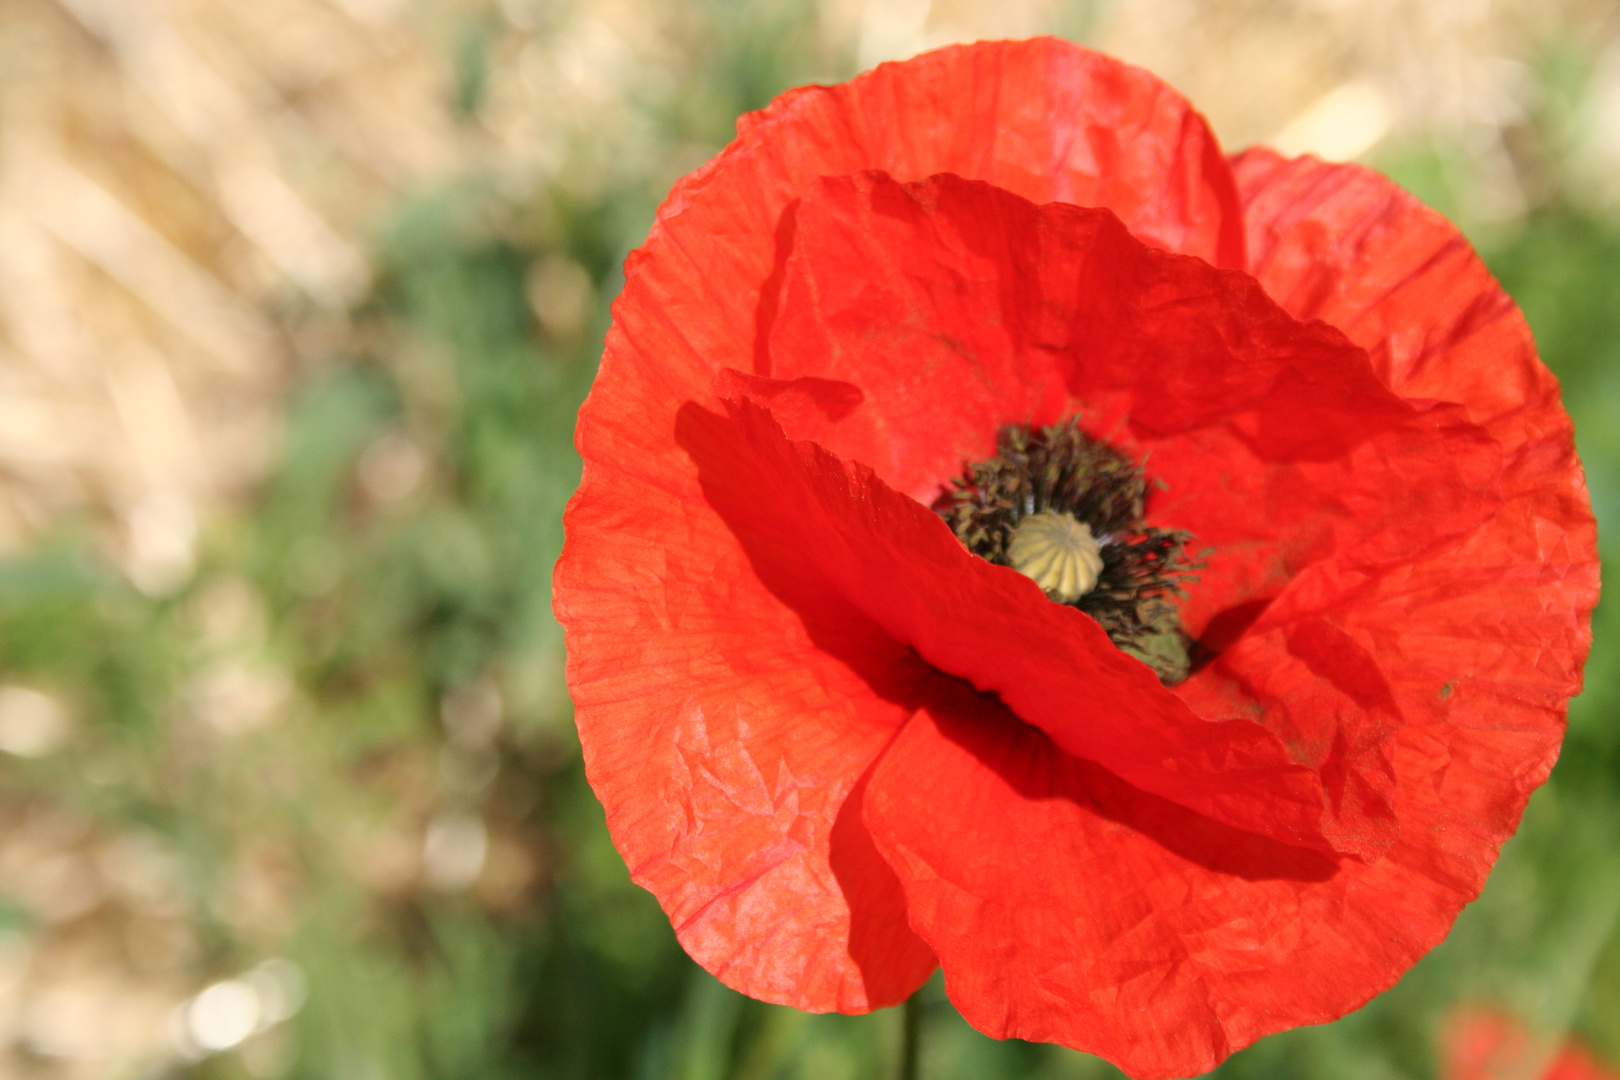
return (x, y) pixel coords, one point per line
(1058, 553)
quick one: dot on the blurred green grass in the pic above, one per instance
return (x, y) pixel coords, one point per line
(384, 606)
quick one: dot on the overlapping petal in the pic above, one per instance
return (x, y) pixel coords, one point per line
(898, 563)
(724, 732)
(1131, 927)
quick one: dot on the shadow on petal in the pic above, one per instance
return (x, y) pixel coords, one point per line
(733, 487)
(1025, 758)
(1036, 769)
(892, 960)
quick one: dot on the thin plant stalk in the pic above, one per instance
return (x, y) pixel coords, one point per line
(910, 1021)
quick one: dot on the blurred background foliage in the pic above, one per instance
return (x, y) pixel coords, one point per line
(297, 301)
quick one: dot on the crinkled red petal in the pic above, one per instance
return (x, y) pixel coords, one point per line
(1130, 928)
(725, 741)
(897, 562)
(1478, 637)
(1067, 906)
(722, 732)
(1044, 119)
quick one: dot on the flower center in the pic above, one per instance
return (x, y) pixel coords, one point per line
(1066, 511)
(1058, 553)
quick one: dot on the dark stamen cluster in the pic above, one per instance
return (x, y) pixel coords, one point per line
(1062, 469)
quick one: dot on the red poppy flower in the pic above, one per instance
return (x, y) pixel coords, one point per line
(1482, 1044)
(840, 747)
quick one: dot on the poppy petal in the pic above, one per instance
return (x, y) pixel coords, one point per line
(1132, 928)
(1487, 632)
(1046, 119)
(725, 741)
(1346, 245)
(1054, 666)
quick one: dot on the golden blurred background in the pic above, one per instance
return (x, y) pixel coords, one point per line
(297, 298)
(188, 184)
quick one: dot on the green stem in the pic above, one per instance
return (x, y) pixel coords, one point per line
(910, 1020)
